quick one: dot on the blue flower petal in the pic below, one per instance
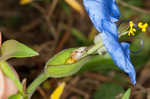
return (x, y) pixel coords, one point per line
(115, 12)
(131, 73)
(103, 14)
(119, 52)
(101, 9)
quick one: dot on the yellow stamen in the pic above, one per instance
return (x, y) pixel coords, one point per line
(142, 26)
(132, 30)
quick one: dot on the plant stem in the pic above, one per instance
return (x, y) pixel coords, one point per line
(100, 45)
(93, 49)
(8, 72)
(33, 86)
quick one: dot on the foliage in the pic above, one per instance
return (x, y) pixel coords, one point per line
(78, 27)
(106, 91)
(126, 94)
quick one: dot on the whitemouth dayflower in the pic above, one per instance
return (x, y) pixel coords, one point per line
(103, 14)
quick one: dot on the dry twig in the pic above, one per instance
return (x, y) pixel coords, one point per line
(137, 9)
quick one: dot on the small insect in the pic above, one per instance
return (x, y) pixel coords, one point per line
(76, 55)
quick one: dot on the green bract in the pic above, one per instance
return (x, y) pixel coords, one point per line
(56, 67)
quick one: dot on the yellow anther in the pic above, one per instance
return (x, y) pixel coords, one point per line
(132, 30)
(142, 26)
(131, 24)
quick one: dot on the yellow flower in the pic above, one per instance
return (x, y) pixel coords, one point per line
(23, 2)
(132, 29)
(58, 91)
(142, 26)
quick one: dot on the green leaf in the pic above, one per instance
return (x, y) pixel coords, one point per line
(16, 96)
(98, 63)
(8, 72)
(13, 48)
(108, 91)
(127, 94)
(56, 66)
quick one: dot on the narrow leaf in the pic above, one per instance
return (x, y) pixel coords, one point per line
(127, 94)
(13, 48)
